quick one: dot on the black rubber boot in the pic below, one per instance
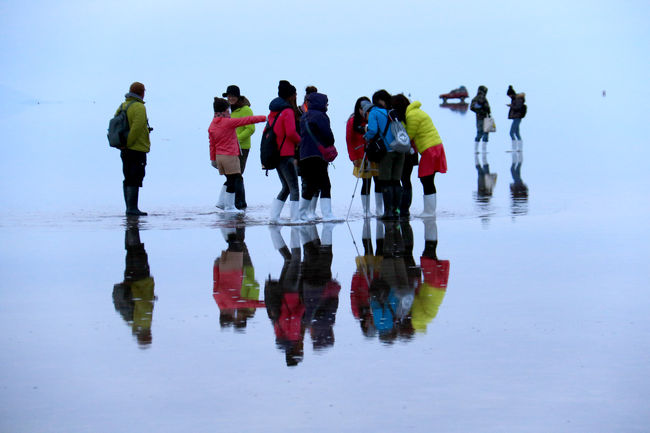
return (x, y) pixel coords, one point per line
(405, 202)
(240, 195)
(397, 200)
(389, 204)
(131, 196)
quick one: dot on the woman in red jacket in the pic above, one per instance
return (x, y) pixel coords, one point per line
(354, 131)
(224, 148)
(284, 108)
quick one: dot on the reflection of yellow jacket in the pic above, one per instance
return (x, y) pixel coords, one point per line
(425, 306)
(420, 129)
(143, 298)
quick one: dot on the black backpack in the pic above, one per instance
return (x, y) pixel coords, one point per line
(118, 128)
(269, 149)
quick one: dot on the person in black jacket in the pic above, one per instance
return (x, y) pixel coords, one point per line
(481, 107)
(516, 113)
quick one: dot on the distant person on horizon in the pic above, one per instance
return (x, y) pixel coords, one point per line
(516, 113)
(224, 148)
(481, 107)
(134, 156)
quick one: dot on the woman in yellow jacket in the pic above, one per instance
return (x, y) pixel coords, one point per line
(424, 136)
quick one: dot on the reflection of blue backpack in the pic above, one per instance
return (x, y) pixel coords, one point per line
(118, 128)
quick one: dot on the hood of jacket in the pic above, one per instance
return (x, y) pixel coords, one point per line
(279, 104)
(135, 96)
(317, 101)
(482, 90)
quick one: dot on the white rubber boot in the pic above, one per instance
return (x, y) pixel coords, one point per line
(484, 147)
(514, 146)
(326, 209)
(365, 203)
(222, 194)
(476, 147)
(312, 209)
(379, 204)
(520, 145)
(229, 203)
(295, 213)
(276, 209)
(429, 206)
(304, 209)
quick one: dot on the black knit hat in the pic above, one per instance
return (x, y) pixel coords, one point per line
(285, 89)
(220, 105)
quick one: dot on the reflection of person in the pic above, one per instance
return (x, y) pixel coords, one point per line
(518, 189)
(391, 296)
(224, 148)
(134, 297)
(315, 130)
(240, 107)
(134, 157)
(516, 113)
(433, 288)
(428, 143)
(286, 130)
(234, 286)
(283, 298)
(486, 180)
(320, 291)
(355, 128)
(481, 107)
(367, 268)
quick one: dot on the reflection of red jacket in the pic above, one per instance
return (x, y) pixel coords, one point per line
(356, 142)
(435, 272)
(228, 276)
(289, 323)
(359, 294)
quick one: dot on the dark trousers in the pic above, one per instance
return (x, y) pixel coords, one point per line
(315, 178)
(133, 164)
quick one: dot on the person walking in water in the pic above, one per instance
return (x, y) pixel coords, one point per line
(134, 156)
(315, 130)
(239, 107)
(224, 148)
(516, 113)
(284, 108)
(428, 143)
(363, 168)
(481, 107)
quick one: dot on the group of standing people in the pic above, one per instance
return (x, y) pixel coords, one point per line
(303, 135)
(481, 107)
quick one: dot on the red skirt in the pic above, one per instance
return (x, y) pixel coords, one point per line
(433, 160)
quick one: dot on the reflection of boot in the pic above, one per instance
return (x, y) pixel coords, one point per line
(276, 237)
(295, 238)
(326, 234)
(276, 209)
(222, 194)
(484, 147)
(131, 196)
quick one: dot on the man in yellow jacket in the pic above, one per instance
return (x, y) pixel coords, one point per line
(134, 156)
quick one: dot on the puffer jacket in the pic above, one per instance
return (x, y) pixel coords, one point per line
(285, 128)
(377, 120)
(243, 109)
(355, 141)
(420, 128)
(223, 139)
(480, 104)
(138, 138)
(319, 124)
(517, 106)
